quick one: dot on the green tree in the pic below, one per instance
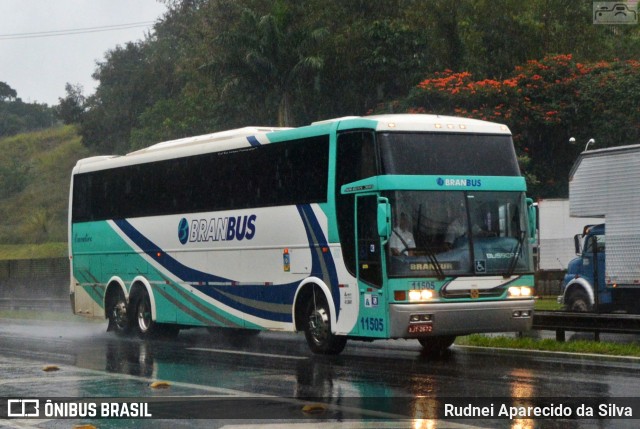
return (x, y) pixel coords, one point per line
(544, 103)
(6, 92)
(125, 92)
(220, 64)
(71, 108)
(17, 116)
(270, 55)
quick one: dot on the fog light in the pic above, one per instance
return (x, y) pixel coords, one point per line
(420, 318)
(516, 313)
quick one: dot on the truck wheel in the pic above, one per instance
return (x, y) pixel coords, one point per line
(432, 346)
(579, 302)
(318, 328)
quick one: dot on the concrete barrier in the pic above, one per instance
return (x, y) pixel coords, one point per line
(43, 281)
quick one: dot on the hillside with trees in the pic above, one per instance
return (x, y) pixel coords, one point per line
(542, 67)
(16, 116)
(34, 184)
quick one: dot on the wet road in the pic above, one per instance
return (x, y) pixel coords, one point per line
(273, 379)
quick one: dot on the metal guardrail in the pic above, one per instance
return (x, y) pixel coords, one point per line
(562, 321)
(43, 304)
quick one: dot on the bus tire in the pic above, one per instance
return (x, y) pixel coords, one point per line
(578, 302)
(436, 345)
(119, 321)
(144, 325)
(317, 329)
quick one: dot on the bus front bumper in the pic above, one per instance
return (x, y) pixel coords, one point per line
(430, 319)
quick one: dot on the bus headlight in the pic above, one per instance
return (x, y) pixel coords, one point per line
(520, 291)
(420, 295)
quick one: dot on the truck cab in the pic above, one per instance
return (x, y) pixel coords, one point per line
(586, 273)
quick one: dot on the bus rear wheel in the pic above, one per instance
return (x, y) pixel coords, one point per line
(318, 328)
(144, 325)
(436, 345)
(117, 312)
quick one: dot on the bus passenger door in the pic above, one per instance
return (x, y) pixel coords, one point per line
(373, 319)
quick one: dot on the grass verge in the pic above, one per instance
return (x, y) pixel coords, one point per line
(33, 251)
(577, 346)
(547, 303)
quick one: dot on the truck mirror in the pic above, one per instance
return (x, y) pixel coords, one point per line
(577, 241)
(384, 219)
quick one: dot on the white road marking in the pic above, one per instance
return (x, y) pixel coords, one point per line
(234, 352)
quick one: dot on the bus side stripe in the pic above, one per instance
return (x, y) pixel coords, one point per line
(323, 264)
(253, 141)
(210, 314)
(282, 294)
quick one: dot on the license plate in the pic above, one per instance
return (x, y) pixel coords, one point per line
(420, 329)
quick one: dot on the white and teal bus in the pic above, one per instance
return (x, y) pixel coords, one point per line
(394, 226)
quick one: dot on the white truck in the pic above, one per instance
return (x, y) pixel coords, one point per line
(604, 184)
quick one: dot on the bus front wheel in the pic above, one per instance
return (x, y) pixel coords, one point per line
(318, 329)
(436, 345)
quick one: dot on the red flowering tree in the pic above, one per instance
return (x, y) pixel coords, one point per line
(544, 103)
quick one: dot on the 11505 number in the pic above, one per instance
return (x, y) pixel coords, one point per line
(372, 324)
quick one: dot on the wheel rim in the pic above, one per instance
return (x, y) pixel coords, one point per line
(579, 305)
(144, 314)
(319, 325)
(119, 313)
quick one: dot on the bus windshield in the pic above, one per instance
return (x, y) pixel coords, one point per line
(447, 154)
(458, 233)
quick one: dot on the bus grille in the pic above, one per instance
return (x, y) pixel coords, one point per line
(472, 293)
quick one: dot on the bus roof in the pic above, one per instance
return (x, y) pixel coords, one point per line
(231, 139)
(209, 138)
(436, 123)
(418, 122)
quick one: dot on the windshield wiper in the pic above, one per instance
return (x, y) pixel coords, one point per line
(436, 265)
(516, 255)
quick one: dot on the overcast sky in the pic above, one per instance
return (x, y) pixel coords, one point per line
(39, 67)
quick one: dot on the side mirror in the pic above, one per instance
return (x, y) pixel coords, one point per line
(577, 241)
(533, 214)
(384, 219)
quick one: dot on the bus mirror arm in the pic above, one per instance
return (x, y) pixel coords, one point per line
(384, 219)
